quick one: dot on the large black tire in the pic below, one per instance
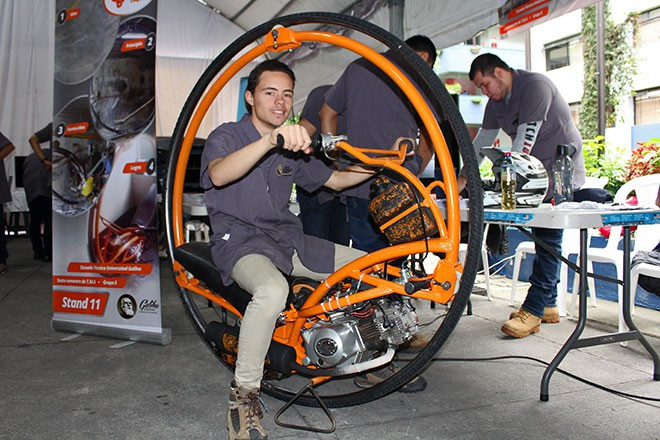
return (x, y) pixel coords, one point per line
(444, 106)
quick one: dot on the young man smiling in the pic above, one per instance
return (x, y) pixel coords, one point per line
(256, 239)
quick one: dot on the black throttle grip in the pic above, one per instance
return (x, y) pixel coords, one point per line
(280, 141)
(407, 143)
(317, 142)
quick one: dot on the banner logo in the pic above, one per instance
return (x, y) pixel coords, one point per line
(127, 306)
(149, 306)
(124, 7)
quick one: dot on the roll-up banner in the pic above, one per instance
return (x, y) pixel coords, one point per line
(105, 253)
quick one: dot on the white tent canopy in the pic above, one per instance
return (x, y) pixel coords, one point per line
(190, 35)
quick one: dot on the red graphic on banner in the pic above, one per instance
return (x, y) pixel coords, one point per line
(123, 7)
(78, 127)
(526, 8)
(82, 303)
(127, 269)
(133, 45)
(135, 167)
(525, 19)
(108, 283)
(72, 13)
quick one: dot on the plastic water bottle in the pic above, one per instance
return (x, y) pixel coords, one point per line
(508, 182)
(562, 174)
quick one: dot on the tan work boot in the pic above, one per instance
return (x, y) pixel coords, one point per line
(522, 325)
(244, 414)
(367, 380)
(416, 344)
(550, 315)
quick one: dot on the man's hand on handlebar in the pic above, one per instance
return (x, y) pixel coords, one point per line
(291, 137)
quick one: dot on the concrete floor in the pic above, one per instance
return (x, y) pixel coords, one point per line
(54, 388)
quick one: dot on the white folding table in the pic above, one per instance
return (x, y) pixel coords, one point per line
(550, 217)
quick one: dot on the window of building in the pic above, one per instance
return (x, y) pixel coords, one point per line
(560, 53)
(647, 107)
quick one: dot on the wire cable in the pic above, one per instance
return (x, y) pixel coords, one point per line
(566, 373)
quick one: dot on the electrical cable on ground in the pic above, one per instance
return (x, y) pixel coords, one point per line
(529, 358)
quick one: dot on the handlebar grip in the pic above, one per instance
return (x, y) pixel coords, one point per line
(280, 141)
(407, 143)
(317, 142)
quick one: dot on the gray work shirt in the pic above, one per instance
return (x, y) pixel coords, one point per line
(310, 112)
(36, 179)
(5, 193)
(535, 98)
(251, 214)
(376, 111)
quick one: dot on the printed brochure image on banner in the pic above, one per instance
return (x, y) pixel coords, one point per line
(106, 278)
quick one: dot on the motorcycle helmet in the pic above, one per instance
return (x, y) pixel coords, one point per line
(531, 179)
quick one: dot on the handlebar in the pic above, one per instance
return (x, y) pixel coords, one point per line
(325, 143)
(321, 142)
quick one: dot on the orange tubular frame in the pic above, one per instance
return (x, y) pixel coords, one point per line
(444, 277)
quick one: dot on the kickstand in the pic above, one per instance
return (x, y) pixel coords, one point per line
(308, 387)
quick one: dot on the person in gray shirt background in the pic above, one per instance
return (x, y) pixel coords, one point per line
(37, 184)
(376, 113)
(528, 107)
(323, 213)
(6, 148)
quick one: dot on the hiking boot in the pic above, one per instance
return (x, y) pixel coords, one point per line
(244, 414)
(550, 315)
(416, 344)
(522, 325)
(367, 380)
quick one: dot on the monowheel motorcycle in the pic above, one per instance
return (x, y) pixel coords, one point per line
(356, 319)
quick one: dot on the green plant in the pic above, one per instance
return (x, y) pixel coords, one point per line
(604, 160)
(620, 67)
(293, 119)
(486, 169)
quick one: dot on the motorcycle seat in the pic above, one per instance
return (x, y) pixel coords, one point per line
(196, 258)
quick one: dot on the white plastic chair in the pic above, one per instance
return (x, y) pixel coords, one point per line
(646, 236)
(462, 250)
(640, 269)
(199, 230)
(570, 245)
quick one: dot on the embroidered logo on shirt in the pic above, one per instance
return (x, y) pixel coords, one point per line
(283, 170)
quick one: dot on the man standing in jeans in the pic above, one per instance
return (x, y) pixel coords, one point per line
(528, 107)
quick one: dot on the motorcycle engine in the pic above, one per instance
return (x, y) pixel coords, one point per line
(351, 337)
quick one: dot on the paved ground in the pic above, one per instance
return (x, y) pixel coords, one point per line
(53, 388)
